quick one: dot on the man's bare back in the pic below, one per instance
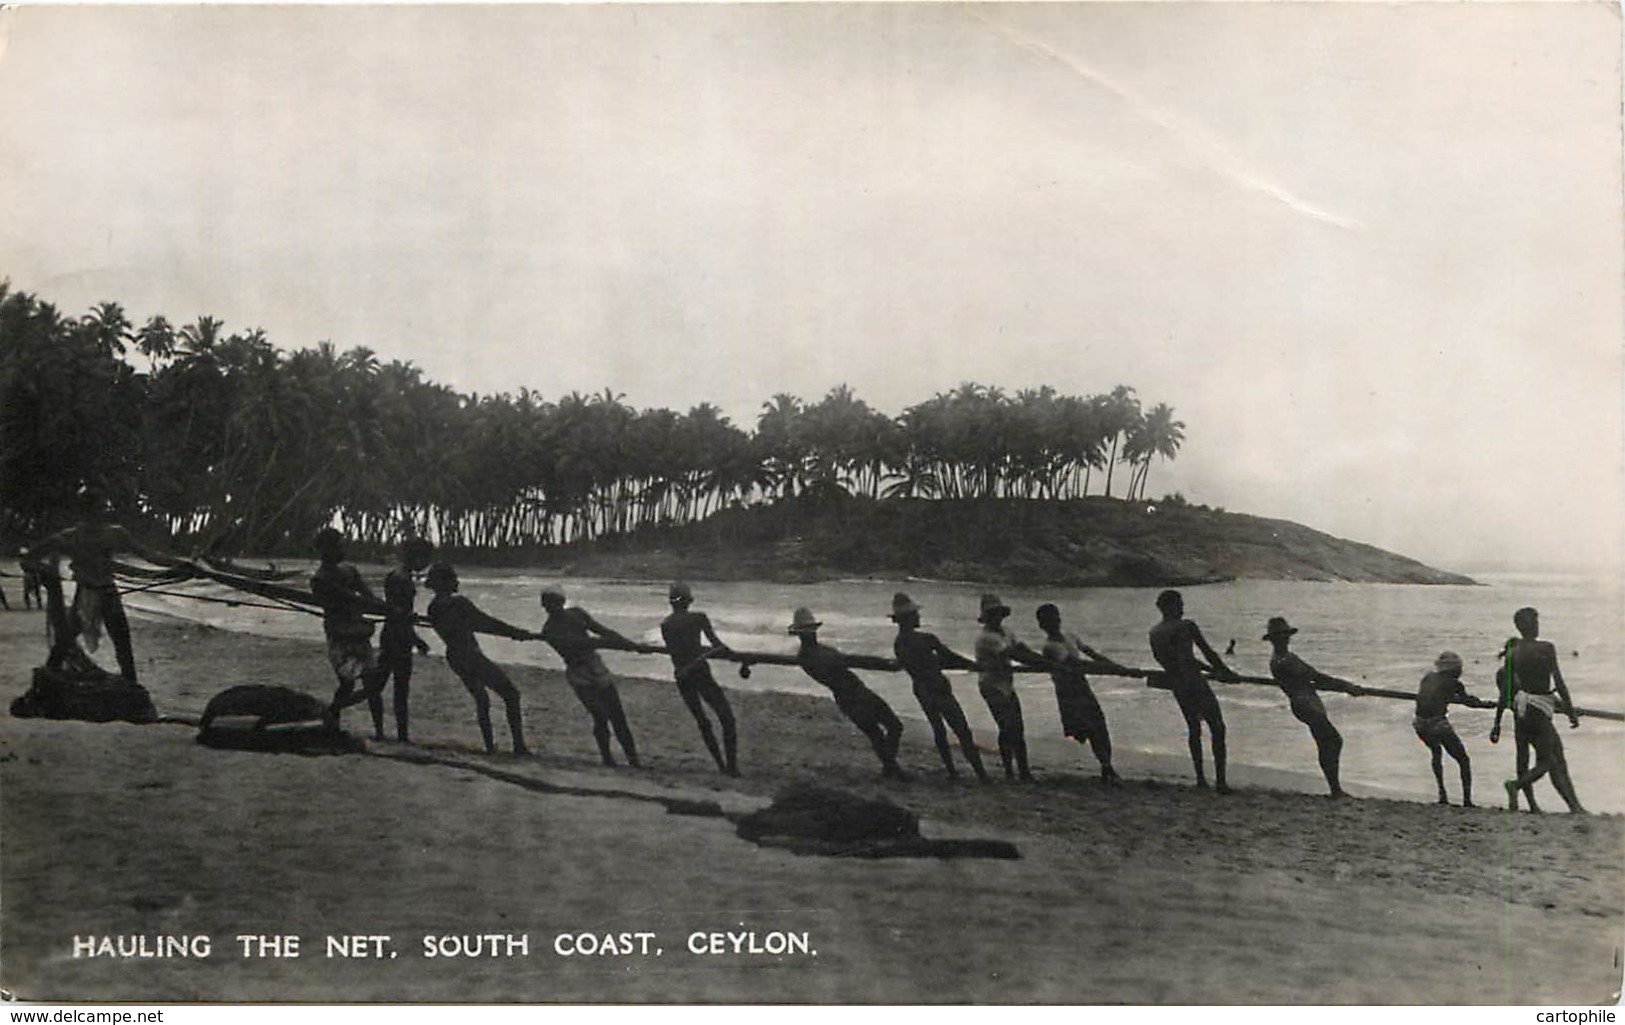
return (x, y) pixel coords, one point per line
(1533, 663)
(1173, 644)
(1434, 694)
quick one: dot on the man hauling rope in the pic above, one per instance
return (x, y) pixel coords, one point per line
(1081, 716)
(398, 640)
(1173, 641)
(571, 631)
(456, 619)
(683, 631)
(345, 600)
(1432, 722)
(1529, 674)
(91, 544)
(1302, 682)
(996, 647)
(867, 710)
(924, 657)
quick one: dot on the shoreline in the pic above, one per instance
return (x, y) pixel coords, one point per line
(1051, 752)
(1266, 896)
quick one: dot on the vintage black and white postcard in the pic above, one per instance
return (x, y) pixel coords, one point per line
(824, 503)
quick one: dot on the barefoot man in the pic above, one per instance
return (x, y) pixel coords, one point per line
(345, 599)
(570, 631)
(1440, 687)
(1302, 682)
(31, 580)
(924, 657)
(867, 710)
(91, 544)
(457, 620)
(398, 639)
(686, 632)
(996, 648)
(1081, 716)
(1532, 664)
(1173, 643)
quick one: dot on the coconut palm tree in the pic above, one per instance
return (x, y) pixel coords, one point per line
(1120, 411)
(1158, 434)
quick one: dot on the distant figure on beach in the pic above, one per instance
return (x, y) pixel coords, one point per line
(1432, 723)
(398, 638)
(1081, 715)
(1531, 671)
(1302, 682)
(686, 633)
(924, 657)
(31, 580)
(867, 710)
(345, 600)
(996, 648)
(456, 620)
(90, 545)
(1173, 643)
(571, 631)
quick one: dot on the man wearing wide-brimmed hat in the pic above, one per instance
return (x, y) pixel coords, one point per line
(1302, 682)
(923, 655)
(1174, 641)
(686, 632)
(1432, 723)
(867, 710)
(996, 647)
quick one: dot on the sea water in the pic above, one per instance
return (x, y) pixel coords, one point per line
(1380, 635)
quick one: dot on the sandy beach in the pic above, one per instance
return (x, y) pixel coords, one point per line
(1151, 893)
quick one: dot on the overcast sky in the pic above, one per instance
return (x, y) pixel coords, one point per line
(1370, 253)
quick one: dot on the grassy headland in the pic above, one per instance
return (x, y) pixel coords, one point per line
(1089, 542)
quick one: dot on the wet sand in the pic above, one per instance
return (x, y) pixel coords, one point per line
(1150, 893)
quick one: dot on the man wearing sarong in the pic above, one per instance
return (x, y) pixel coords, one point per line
(1531, 665)
(996, 649)
(398, 640)
(866, 709)
(924, 657)
(1081, 715)
(1301, 683)
(345, 600)
(1173, 643)
(456, 620)
(686, 633)
(571, 631)
(1432, 723)
(90, 545)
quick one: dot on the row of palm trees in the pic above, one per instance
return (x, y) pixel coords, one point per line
(221, 440)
